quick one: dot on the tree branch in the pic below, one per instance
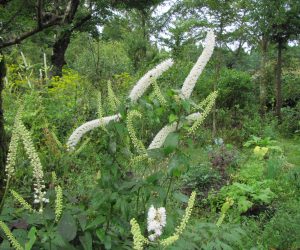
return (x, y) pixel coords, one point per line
(52, 22)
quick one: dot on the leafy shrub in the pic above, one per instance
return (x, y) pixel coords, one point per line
(209, 236)
(283, 230)
(222, 156)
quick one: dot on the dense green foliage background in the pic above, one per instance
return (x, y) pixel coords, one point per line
(256, 70)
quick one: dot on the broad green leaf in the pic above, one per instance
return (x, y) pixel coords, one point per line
(67, 227)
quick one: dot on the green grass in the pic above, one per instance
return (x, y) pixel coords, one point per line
(291, 148)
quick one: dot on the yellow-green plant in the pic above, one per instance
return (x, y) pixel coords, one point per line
(58, 203)
(137, 143)
(209, 103)
(22, 202)
(184, 221)
(227, 204)
(13, 241)
(113, 101)
(158, 93)
(138, 239)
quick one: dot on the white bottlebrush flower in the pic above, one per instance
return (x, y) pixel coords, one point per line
(35, 162)
(86, 127)
(161, 136)
(142, 85)
(156, 221)
(196, 71)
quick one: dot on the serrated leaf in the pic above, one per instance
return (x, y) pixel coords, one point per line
(67, 227)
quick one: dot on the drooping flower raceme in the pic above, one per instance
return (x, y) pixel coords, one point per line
(138, 144)
(179, 230)
(143, 84)
(156, 221)
(13, 146)
(112, 99)
(38, 174)
(210, 101)
(196, 71)
(137, 91)
(84, 128)
(161, 136)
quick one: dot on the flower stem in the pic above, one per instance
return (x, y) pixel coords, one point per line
(168, 191)
(4, 194)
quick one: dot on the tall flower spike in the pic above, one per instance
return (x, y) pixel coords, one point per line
(38, 173)
(100, 108)
(13, 241)
(88, 126)
(21, 200)
(158, 93)
(196, 71)
(211, 99)
(58, 203)
(143, 84)
(112, 99)
(138, 239)
(138, 144)
(179, 230)
(13, 146)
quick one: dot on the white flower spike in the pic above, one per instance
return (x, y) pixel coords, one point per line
(143, 84)
(196, 71)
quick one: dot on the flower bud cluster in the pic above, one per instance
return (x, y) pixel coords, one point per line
(156, 221)
(21, 200)
(138, 144)
(158, 93)
(58, 203)
(13, 241)
(138, 239)
(211, 99)
(113, 101)
(179, 230)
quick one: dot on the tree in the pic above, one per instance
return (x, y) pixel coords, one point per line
(284, 25)
(3, 146)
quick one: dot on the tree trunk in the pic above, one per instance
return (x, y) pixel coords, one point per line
(3, 144)
(278, 95)
(59, 50)
(263, 80)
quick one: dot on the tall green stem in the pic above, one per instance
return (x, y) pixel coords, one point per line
(168, 191)
(4, 194)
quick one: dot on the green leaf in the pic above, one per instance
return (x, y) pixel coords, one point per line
(67, 227)
(244, 204)
(86, 241)
(105, 239)
(96, 222)
(171, 143)
(173, 118)
(32, 238)
(181, 197)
